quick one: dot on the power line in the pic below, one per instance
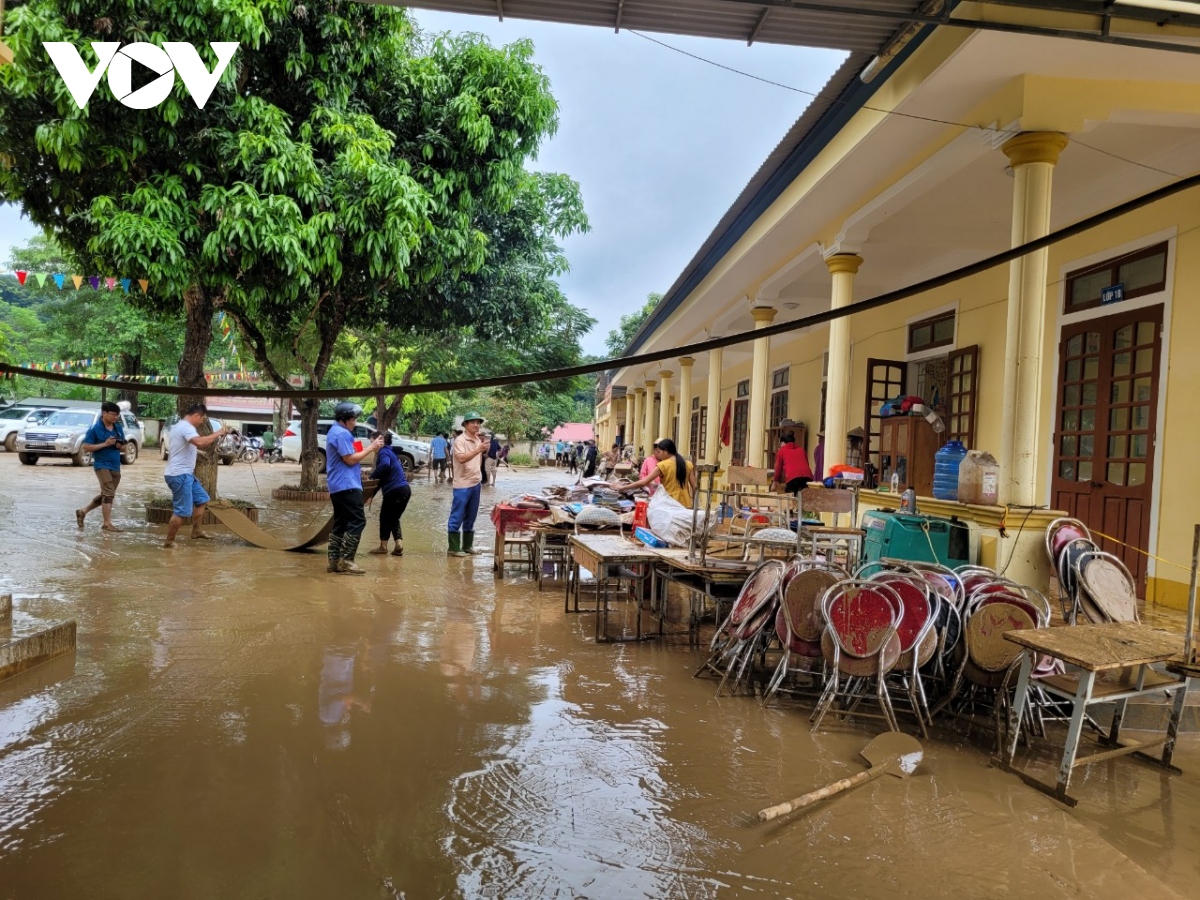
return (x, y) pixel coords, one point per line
(820, 318)
(933, 120)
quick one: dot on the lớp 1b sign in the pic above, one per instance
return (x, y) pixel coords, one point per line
(171, 58)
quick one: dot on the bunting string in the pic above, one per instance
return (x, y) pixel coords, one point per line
(60, 279)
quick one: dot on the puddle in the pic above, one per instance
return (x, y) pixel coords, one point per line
(237, 723)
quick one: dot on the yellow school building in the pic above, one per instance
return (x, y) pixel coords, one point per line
(1076, 366)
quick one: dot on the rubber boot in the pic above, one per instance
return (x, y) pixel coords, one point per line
(456, 544)
(335, 553)
(468, 544)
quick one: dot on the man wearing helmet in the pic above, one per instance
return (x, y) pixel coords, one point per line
(465, 455)
(343, 473)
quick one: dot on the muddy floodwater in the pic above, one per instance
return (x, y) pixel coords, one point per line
(236, 723)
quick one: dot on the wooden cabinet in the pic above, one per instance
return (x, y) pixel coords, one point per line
(908, 445)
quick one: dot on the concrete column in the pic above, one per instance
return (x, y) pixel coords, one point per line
(639, 409)
(1033, 156)
(759, 377)
(628, 416)
(843, 267)
(712, 434)
(651, 417)
(664, 408)
(685, 404)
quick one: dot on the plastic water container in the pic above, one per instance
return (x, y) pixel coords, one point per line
(979, 479)
(945, 470)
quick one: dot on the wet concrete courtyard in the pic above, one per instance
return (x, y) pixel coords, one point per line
(237, 723)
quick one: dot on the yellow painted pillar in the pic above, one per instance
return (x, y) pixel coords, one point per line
(664, 407)
(628, 416)
(712, 434)
(757, 438)
(685, 404)
(651, 417)
(843, 267)
(639, 410)
(1033, 156)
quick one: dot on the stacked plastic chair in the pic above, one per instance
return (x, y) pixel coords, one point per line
(748, 629)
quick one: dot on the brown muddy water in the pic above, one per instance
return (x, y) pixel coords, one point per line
(237, 723)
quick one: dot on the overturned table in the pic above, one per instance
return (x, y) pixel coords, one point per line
(1087, 650)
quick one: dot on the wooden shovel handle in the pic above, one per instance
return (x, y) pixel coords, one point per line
(781, 809)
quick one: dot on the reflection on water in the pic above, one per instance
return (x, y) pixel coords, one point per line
(239, 724)
(570, 806)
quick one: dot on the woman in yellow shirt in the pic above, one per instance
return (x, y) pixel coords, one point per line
(670, 464)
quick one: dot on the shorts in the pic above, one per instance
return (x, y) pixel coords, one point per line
(109, 479)
(186, 494)
(439, 465)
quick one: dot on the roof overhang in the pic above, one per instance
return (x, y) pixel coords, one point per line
(925, 191)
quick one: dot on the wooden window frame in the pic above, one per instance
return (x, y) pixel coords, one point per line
(699, 442)
(780, 378)
(743, 390)
(775, 416)
(741, 430)
(932, 322)
(1113, 267)
(967, 434)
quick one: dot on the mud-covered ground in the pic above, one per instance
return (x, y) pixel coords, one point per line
(237, 723)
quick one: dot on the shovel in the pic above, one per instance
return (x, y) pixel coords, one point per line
(893, 752)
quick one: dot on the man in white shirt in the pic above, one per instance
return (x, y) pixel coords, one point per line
(188, 497)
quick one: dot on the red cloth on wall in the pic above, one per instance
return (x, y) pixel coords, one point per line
(727, 424)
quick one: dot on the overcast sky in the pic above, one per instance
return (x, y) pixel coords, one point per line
(661, 145)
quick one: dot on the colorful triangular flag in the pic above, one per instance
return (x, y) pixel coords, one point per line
(78, 279)
(21, 276)
(59, 278)
(125, 282)
(144, 284)
(41, 279)
(110, 282)
(94, 281)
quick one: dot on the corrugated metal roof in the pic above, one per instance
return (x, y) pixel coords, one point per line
(738, 20)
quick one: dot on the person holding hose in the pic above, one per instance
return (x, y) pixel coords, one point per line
(396, 493)
(343, 472)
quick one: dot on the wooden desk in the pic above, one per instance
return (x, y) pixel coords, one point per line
(717, 580)
(598, 553)
(1086, 650)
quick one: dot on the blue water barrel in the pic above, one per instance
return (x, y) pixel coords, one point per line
(945, 470)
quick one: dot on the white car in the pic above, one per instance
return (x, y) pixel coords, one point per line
(13, 419)
(413, 454)
(225, 454)
(61, 434)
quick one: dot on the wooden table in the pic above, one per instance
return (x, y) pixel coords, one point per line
(717, 580)
(599, 553)
(1087, 650)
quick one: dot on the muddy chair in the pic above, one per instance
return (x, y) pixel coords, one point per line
(860, 646)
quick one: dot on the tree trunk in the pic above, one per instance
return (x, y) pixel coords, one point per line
(199, 308)
(131, 364)
(310, 456)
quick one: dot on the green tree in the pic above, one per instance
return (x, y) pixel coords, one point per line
(620, 337)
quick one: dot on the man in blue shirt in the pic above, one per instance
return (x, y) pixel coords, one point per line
(105, 441)
(439, 448)
(343, 473)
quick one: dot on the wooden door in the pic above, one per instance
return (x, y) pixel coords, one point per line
(1105, 426)
(886, 378)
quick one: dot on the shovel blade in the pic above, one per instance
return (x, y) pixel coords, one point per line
(900, 753)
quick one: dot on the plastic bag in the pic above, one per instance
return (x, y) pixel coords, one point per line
(670, 519)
